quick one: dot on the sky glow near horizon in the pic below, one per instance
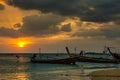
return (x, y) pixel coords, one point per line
(53, 24)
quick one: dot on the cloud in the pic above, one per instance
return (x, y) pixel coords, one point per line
(49, 25)
(35, 26)
(109, 32)
(41, 25)
(2, 7)
(66, 28)
(86, 10)
(5, 32)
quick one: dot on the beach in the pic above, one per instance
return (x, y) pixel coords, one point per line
(113, 74)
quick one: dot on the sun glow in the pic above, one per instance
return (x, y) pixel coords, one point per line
(21, 44)
(2, 2)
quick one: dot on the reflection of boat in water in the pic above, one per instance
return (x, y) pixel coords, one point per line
(81, 58)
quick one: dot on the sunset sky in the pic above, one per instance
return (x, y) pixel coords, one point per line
(27, 25)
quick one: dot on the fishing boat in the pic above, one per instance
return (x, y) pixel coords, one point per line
(81, 58)
(96, 60)
(68, 60)
(114, 55)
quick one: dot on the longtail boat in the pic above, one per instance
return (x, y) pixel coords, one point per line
(68, 60)
(96, 60)
(115, 59)
(114, 55)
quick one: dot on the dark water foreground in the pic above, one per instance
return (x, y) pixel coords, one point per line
(13, 68)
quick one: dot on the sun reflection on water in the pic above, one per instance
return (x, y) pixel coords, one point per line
(21, 67)
(21, 59)
(22, 76)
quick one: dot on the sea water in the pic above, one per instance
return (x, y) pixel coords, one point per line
(13, 68)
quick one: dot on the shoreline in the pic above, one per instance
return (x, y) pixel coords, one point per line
(110, 74)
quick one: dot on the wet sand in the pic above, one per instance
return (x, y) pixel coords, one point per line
(113, 74)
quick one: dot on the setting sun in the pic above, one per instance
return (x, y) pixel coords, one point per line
(21, 44)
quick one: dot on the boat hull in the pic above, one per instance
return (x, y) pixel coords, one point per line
(56, 61)
(96, 60)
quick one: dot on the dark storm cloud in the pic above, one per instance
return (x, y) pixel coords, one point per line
(87, 10)
(2, 7)
(34, 26)
(5, 32)
(107, 32)
(41, 25)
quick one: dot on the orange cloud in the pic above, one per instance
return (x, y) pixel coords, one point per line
(2, 2)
